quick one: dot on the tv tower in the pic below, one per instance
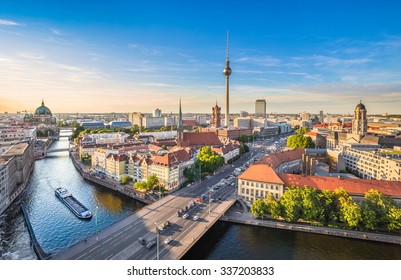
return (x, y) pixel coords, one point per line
(227, 72)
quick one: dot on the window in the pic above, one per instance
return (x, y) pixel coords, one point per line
(276, 188)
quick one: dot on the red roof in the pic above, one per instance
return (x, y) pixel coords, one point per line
(324, 125)
(261, 173)
(172, 158)
(352, 186)
(189, 123)
(312, 133)
(275, 160)
(200, 139)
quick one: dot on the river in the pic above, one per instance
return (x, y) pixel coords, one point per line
(56, 228)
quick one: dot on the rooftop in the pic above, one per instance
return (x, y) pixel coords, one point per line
(17, 149)
(261, 173)
(275, 160)
(352, 186)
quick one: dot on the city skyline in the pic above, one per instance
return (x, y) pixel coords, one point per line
(137, 57)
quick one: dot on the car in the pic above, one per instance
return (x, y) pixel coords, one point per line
(198, 200)
(211, 200)
(150, 244)
(168, 240)
(185, 216)
(161, 227)
(142, 240)
(219, 198)
(195, 218)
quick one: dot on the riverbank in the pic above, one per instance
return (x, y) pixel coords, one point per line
(234, 215)
(108, 183)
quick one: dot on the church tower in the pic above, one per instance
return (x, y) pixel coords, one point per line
(179, 127)
(216, 121)
(360, 123)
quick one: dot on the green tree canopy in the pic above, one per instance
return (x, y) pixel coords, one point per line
(273, 208)
(374, 209)
(209, 160)
(258, 208)
(350, 212)
(125, 179)
(291, 203)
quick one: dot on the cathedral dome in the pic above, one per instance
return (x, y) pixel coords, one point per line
(359, 107)
(43, 110)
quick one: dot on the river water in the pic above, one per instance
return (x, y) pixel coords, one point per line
(56, 228)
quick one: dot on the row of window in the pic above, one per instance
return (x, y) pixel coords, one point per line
(258, 185)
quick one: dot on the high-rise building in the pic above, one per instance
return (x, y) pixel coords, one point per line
(157, 113)
(227, 72)
(216, 121)
(305, 116)
(260, 108)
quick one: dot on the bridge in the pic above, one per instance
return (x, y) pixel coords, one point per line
(121, 240)
(57, 150)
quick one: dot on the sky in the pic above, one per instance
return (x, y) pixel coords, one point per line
(135, 56)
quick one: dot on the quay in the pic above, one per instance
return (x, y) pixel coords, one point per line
(42, 255)
(243, 217)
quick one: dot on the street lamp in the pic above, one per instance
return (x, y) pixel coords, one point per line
(157, 241)
(209, 201)
(97, 236)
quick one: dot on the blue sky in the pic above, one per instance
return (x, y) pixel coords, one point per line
(122, 56)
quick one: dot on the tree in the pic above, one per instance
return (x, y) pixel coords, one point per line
(141, 186)
(125, 179)
(272, 205)
(299, 140)
(350, 212)
(291, 203)
(258, 208)
(374, 209)
(209, 160)
(329, 203)
(151, 184)
(312, 209)
(394, 218)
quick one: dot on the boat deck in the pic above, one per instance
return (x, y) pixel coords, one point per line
(75, 204)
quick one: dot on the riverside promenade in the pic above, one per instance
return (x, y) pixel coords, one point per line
(237, 215)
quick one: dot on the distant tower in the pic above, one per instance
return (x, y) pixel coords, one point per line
(179, 126)
(321, 116)
(216, 122)
(260, 108)
(180, 133)
(227, 73)
(360, 123)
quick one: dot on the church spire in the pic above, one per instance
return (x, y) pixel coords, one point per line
(180, 117)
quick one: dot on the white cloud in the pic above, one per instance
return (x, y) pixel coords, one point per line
(8, 22)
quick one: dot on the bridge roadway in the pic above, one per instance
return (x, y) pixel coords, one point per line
(57, 150)
(120, 241)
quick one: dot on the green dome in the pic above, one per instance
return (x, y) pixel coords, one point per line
(43, 110)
